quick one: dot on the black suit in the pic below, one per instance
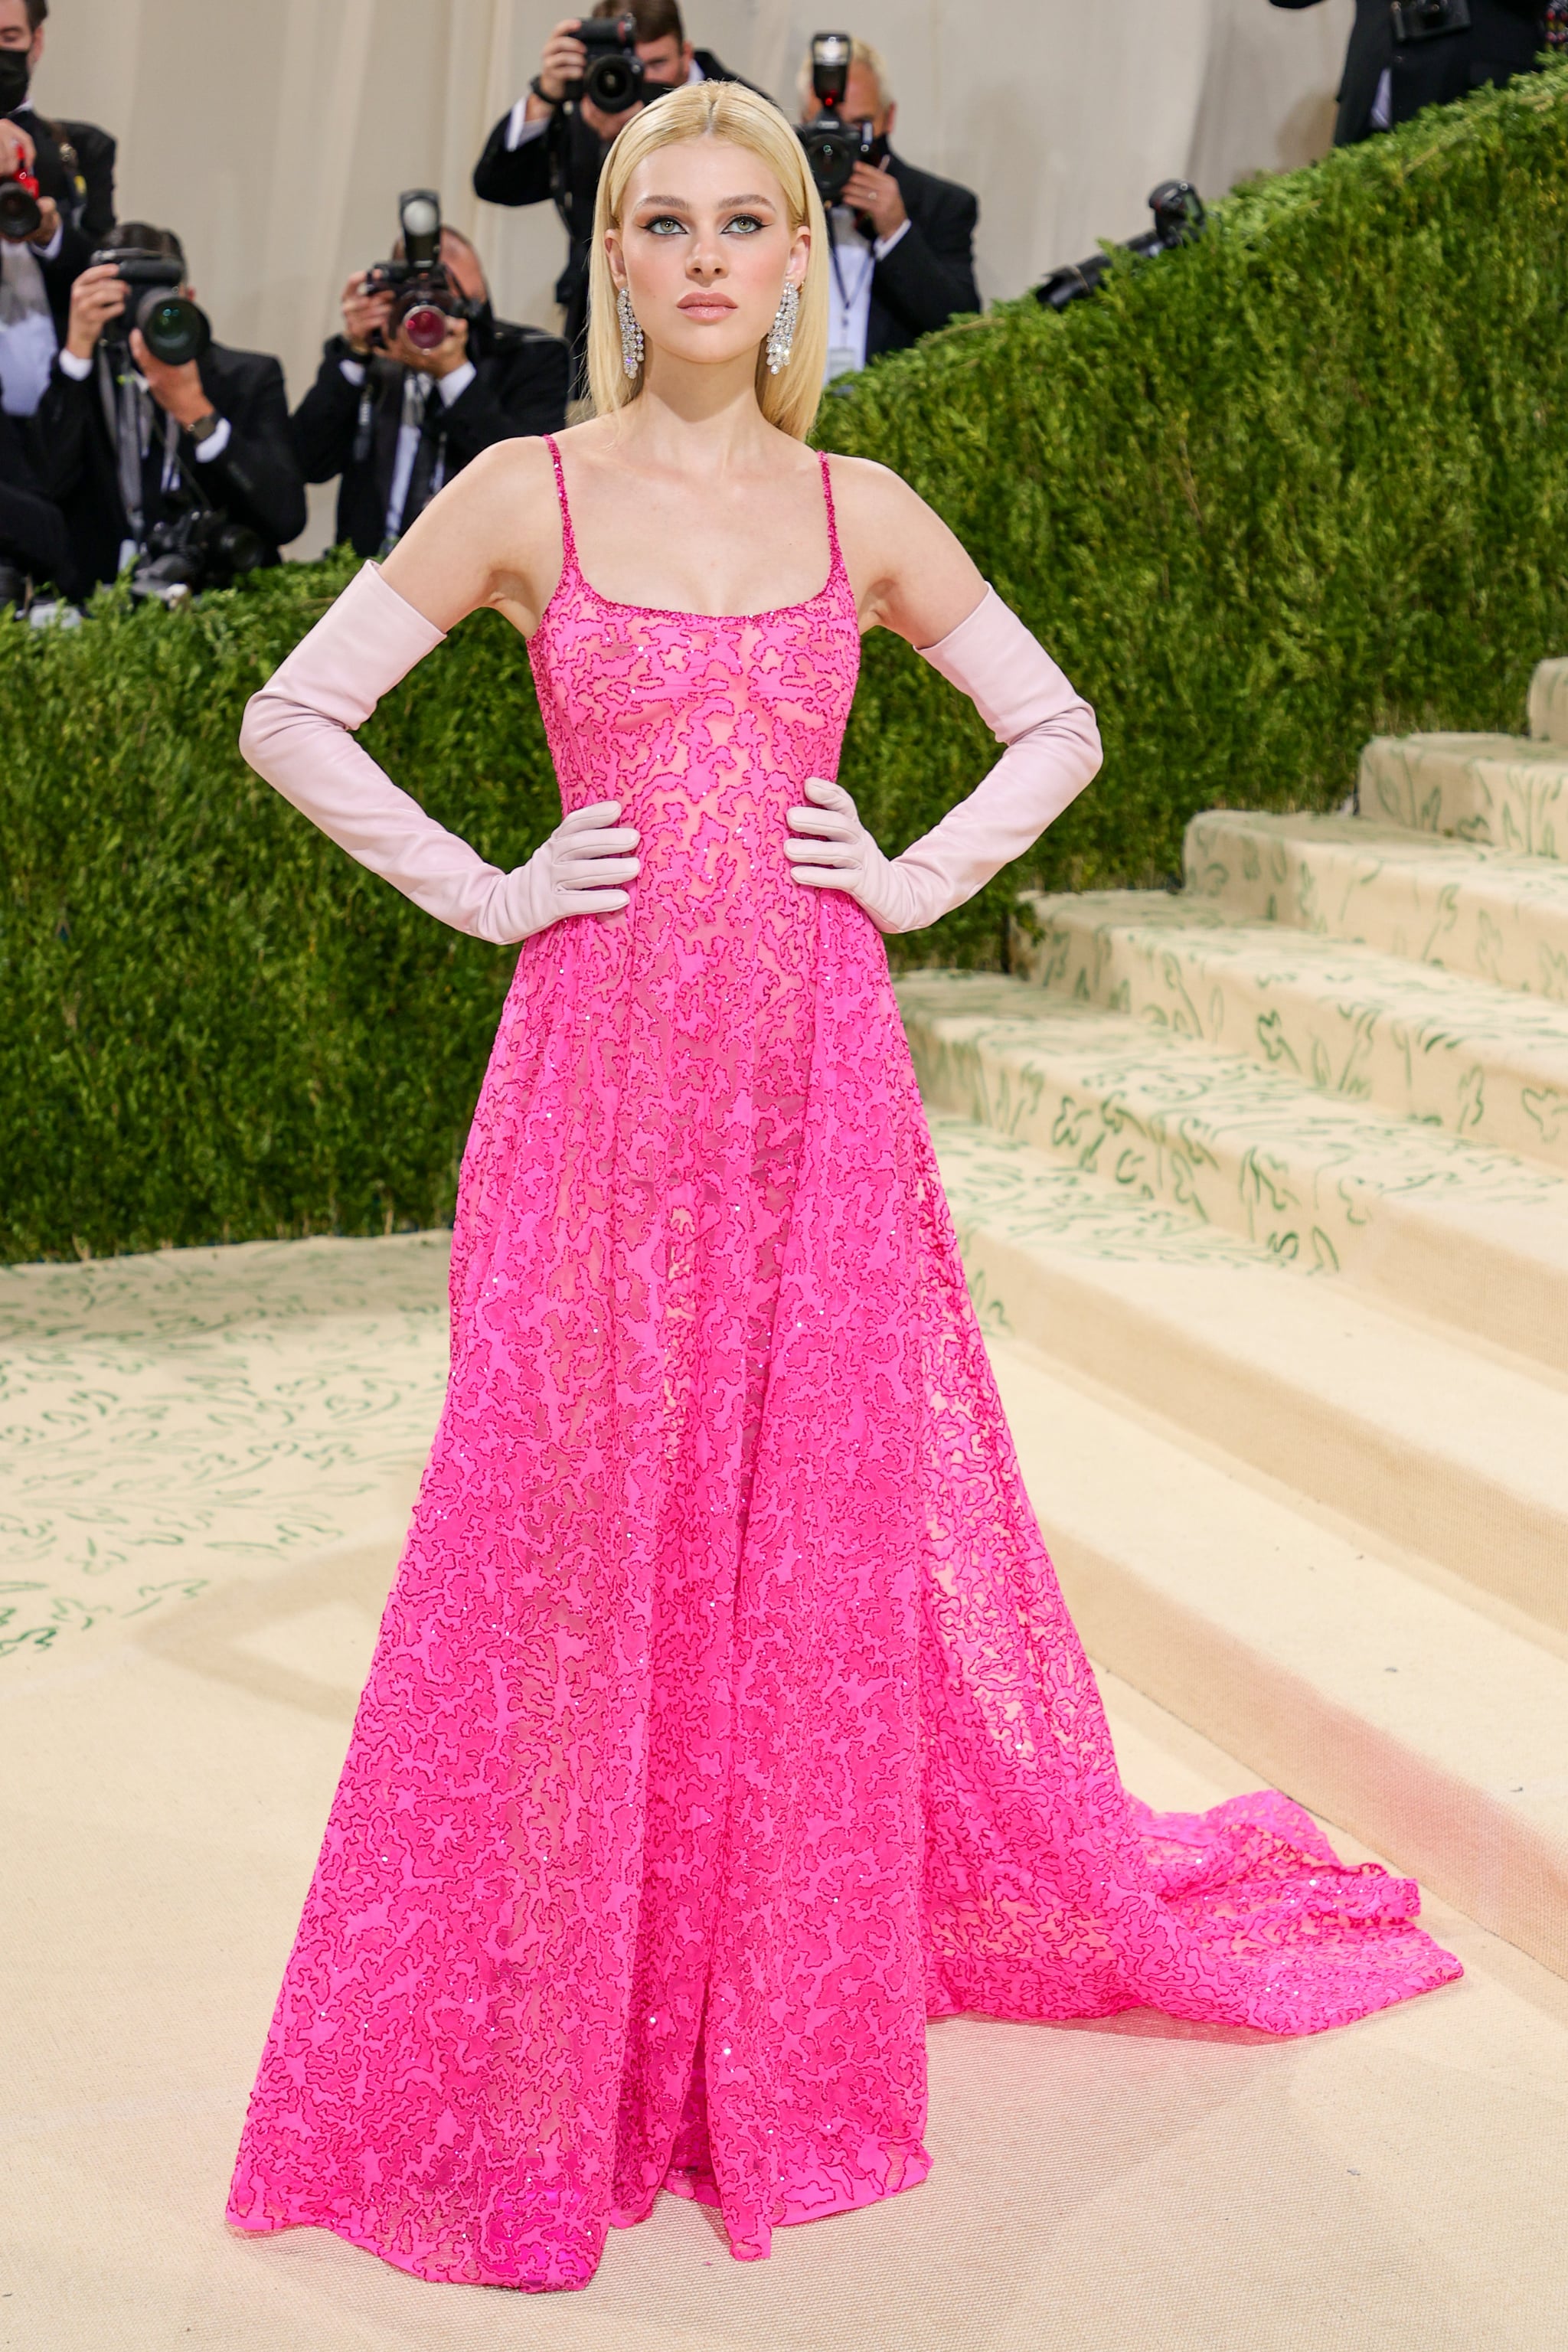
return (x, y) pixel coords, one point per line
(85, 196)
(256, 479)
(518, 386)
(1504, 38)
(563, 162)
(32, 528)
(928, 276)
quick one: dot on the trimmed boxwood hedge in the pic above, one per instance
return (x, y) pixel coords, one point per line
(1301, 481)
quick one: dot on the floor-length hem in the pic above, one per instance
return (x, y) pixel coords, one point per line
(726, 1716)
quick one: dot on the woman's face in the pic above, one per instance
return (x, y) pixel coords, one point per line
(704, 247)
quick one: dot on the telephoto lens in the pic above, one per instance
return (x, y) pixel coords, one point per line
(172, 327)
(832, 147)
(20, 216)
(421, 319)
(613, 77)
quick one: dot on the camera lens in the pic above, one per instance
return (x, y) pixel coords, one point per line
(19, 216)
(614, 83)
(831, 150)
(425, 326)
(172, 329)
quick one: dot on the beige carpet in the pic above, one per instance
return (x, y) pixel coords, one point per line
(167, 1774)
(1124, 2185)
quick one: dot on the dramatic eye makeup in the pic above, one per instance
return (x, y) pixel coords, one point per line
(666, 216)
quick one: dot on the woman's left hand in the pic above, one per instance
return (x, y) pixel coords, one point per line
(834, 852)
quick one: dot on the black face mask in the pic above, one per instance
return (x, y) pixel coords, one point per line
(15, 76)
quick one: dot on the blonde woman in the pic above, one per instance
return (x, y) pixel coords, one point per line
(726, 1721)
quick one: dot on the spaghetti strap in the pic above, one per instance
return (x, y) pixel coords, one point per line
(834, 553)
(568, 538)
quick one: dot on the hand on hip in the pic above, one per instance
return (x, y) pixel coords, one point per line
(833, 851)
(578, 871)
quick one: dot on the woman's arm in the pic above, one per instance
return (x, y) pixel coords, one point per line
(915, 578)
(492, 536)
(299, 733)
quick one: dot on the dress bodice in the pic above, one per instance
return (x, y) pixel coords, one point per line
(703, 726)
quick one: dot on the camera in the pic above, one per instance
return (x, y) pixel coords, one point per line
(199, 549)
(1179, 217)
(172, 327)
(426, 301)
(20, 216)
(833, 146)
(615, 77)
(1424, 20)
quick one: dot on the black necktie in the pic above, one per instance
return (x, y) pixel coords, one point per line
(425, 455)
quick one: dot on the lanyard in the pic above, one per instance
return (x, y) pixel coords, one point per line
(846, 302)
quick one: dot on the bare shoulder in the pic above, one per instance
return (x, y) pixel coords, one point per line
(910, 573)
(517, 471)
(491, 536)
(872, 495)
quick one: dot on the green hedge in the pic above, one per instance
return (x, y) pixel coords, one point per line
(1305, 480)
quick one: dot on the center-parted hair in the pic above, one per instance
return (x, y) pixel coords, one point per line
(726, 111)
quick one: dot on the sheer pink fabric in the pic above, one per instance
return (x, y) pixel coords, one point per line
(726, 1721)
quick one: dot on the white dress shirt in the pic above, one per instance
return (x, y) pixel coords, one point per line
(205, 452)
(27, 340)
(854, 263)
(416, 394)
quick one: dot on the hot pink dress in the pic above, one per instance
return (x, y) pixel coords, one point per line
(726, 1722)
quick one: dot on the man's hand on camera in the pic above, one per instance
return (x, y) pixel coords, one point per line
(17, 152)
(364, 315)
(875, 194)
(177, 389)
(561, 61)
(98, 296)
(449, 352)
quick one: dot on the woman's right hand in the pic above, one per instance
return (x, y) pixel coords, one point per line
(578, 871)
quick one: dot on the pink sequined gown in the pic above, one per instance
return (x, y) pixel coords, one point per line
(726, 1722)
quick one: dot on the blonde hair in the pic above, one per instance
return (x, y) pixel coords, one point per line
(715, 109)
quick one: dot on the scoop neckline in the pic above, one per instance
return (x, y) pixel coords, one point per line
(674, 612)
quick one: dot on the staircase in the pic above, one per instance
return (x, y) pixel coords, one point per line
(1263, 1192)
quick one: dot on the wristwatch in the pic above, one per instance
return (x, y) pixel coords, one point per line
(543, 94)
(204, 428)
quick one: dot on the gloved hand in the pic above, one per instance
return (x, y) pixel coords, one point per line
(832, 850)
(577, 871)
(297, 733)
(1052, 750)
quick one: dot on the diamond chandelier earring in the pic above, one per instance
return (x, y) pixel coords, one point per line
(781, 334)
(631, 333)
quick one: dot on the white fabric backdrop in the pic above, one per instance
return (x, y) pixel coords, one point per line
(275, 137)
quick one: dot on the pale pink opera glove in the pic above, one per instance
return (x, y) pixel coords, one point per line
(1053, 750)
(296, 733)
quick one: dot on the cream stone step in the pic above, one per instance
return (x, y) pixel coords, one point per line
(1424, 1044)
(1479, 1239)
(1549, 702)
(1379, 1700)
(1485, 911)
(1505, 790)
(1451, 1451)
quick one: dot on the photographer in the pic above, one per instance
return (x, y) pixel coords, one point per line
(394, 422)
(552, 146)
(36, 273)
(75, 159)
(127, 442)
(903, 240)
(1425, 52)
